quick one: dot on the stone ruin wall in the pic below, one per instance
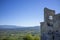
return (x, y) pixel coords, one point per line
(50, 28)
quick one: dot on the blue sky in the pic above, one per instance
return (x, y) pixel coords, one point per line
(25, 12)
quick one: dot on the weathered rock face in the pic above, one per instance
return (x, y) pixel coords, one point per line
(50, 28)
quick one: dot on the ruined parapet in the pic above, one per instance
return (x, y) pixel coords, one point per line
(48, 13)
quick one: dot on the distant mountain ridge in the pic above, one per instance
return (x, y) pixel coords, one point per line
(13, 26)
(8, 26)
(19, 28)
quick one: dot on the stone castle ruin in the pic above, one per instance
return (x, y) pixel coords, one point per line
(50, 28)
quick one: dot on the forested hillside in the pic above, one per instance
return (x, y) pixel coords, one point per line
(19, 33)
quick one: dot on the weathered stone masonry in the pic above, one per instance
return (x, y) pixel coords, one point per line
(50, 28)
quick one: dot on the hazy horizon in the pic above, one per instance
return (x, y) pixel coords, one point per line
(18, 25)
(25, 12)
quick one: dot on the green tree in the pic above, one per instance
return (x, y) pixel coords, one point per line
(28, 37)
(36, 38)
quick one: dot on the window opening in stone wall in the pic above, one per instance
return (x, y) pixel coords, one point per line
(50, 17)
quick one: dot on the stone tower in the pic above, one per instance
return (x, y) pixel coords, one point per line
(50, 25)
